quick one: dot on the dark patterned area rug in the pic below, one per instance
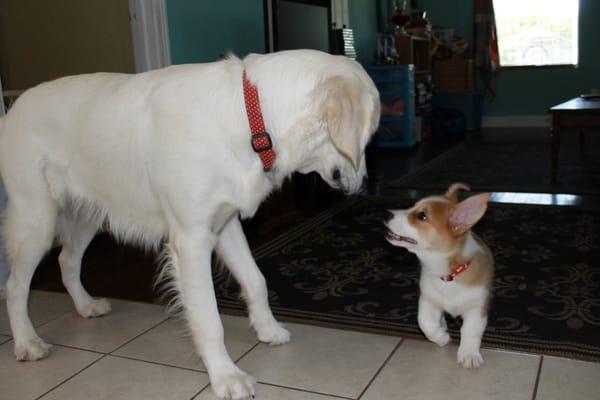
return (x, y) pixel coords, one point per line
(337, 270)
(510, 167)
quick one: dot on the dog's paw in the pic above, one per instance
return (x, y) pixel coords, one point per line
(234, 385)
(95, 308)
(33, 349)
(274, 334)
(469, 358)
(441, 339)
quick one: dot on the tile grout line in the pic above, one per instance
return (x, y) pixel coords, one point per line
(381, 368)
(158, 363)
(305, 390)
(76, 348)
(235, 362)
(247, 351)
(275, 385)
(195, 395)
(137, 336)
(537, 378)
(104, 355)
(36, 327)
(72, 376)
(103, 352)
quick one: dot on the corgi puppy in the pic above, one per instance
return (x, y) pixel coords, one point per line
(457, 268)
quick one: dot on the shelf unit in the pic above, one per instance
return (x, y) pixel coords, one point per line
(396, 85)
(414, 50)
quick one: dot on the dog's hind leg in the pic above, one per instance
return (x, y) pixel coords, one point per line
(76, 230)
(28, 231)
(233, 248)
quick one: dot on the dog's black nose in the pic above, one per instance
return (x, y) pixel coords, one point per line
(364, 184)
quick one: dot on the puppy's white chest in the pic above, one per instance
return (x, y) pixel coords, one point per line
(452, 297)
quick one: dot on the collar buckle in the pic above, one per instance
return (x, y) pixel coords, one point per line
(261, 141)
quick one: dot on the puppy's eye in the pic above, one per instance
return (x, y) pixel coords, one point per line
(421, 216)
(336, 174)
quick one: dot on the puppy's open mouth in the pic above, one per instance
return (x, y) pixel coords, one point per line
(397, 238)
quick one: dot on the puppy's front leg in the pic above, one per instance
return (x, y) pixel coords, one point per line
(430, 321)
(470, 339)
(192, 269)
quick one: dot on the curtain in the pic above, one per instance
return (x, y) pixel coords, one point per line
(487, 59)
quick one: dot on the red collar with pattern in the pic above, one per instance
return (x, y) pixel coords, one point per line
(261, 140)
(460, 268)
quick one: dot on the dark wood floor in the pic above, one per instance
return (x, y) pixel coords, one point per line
(122, 271)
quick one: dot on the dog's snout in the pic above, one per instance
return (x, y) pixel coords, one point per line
(365, 183)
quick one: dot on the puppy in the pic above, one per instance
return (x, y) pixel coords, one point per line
(176, 156)
(456, 266)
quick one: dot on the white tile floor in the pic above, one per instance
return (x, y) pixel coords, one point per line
(137, 353)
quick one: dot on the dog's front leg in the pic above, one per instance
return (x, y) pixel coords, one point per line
(233, 248)
(430, 319)
(192, 269)
(470, 339)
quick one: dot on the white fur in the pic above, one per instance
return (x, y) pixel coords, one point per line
(457, 300)
(166, 156)
(438, 296)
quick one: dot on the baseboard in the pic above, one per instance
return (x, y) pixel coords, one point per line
(517, 121)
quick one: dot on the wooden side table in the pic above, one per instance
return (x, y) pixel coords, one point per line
(577, 115)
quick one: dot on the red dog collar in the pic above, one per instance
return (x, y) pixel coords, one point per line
(457, 270)
(261, 140)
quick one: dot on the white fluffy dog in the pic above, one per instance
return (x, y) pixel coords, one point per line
(166, 155)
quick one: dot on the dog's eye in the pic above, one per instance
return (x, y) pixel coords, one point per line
(336, 174)
(421, 216)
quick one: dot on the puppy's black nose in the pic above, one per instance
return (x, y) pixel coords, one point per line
(388, 215)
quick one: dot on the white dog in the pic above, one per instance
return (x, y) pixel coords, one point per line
(167, 155)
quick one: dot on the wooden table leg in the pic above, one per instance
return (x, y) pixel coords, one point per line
(555, 133)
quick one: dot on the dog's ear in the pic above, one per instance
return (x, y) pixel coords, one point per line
(345, 116)
(466, 213)
(452, 193)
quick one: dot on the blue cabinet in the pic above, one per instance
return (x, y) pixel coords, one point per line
(396, 85)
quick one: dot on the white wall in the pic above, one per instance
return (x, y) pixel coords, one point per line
(1, 101)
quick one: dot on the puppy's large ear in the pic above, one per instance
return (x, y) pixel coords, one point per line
(466, 213)
(345, 116)
(452, 193)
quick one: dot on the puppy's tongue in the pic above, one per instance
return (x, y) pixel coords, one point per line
(398, 238)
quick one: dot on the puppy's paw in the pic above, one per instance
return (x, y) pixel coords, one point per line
(469, 358)
(31, 350)
(95, 308)
(234, 385)
(274, 334)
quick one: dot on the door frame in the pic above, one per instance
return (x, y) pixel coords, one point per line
(2, 108)
(149, 34)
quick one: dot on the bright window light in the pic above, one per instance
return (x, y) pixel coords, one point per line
(537, 32)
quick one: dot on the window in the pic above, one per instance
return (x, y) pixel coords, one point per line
(537, 32)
